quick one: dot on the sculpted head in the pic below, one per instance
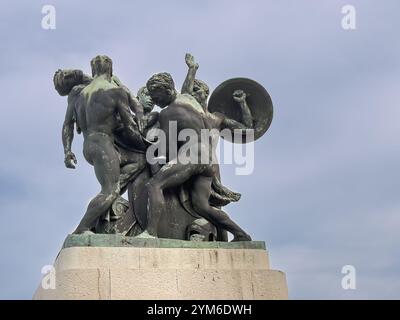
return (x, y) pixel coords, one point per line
(101, 65)
(64, 80)
(201, 92)
(144, 98)
(161, 88)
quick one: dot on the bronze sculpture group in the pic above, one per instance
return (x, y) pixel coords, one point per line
(176, 191)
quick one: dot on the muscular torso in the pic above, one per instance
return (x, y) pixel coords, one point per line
(188, 114)
(95, 107)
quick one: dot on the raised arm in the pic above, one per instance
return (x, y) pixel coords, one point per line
(68, 135)
(247, 120)
(240, 97)
(188, 84)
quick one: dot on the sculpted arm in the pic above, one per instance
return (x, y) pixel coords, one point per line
(152, 119)
(136, 106)
(122, 102)
(247, 120)
(123, 110)
(133, 103)
(187, 86)
(68, 135)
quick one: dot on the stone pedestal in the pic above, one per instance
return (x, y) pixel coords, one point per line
(118, 267)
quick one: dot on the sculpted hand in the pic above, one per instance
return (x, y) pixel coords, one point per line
(70, 160)
(190, 61)
(239, 96)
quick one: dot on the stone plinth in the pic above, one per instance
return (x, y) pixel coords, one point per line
(118, 267)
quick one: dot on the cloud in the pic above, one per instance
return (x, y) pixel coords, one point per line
(324, 190)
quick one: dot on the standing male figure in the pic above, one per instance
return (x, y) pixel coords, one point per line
(99, 108)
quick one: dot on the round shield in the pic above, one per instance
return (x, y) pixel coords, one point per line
(257, 98)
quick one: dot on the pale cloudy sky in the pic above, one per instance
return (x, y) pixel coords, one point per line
(325, 189)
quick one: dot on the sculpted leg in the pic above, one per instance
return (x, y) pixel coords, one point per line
(171, 175)
(130, 168)
(106, 166)
(200, 195)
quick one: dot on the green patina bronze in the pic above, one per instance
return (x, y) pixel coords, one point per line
(116, 240)
(169, 201)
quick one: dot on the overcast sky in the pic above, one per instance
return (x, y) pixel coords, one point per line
(325, 188)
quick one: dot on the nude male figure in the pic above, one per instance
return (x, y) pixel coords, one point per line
(200, 91)
(98, 109)
(186, 111)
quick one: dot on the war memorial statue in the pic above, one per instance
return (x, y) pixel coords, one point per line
(180, 195)
(169, 238)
